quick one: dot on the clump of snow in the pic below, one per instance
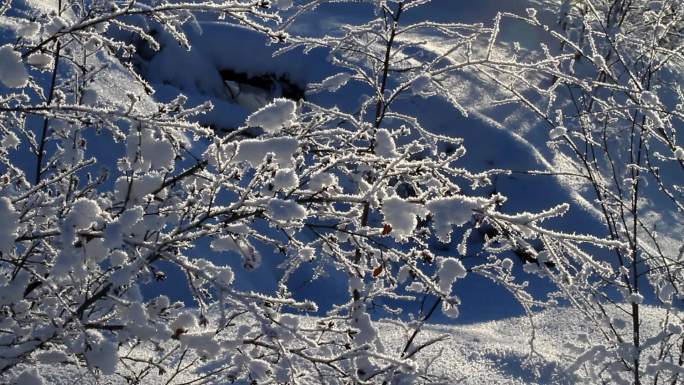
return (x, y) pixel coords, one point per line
(39, 60)
(679, 153)
(225, 244)
(290, 324)
(253, 151)
(103, 355)
(285, 210)
(275, 116)
(416, 287)
(9, 223)
(450, 310)
(453, 211)
(450, 269)
(138, 188)
(10, 140)
(666, 292)
(83, 213)
(307, 254)
(185, 320)
(635, 298)
(55, 25)
(655, 118)
(285, 179)
(283, 4)
(404, 273)
(146, 152)
(507, 263)
(367, 332)
(259, 368)
(650, 98)
(250, 255)
(52, 357)
(599, 61)
(557, 132)
(13, 74)
(95, 250)
(28, 30)
(29, 377)
(203, 343)
(384, 144)
(135, 313)
(225, 275)
(13, 292)
(115, 230)
(402, 216)
(117, 258)
(319, 181)
(335, 82)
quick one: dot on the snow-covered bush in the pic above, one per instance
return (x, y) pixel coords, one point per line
(606, 87)
(105, 190)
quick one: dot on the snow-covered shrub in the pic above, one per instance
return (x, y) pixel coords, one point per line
(104, 190)
(606, 87)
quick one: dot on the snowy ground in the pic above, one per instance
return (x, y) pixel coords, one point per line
(486, 353)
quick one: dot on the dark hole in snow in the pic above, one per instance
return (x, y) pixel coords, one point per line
(260, 89)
